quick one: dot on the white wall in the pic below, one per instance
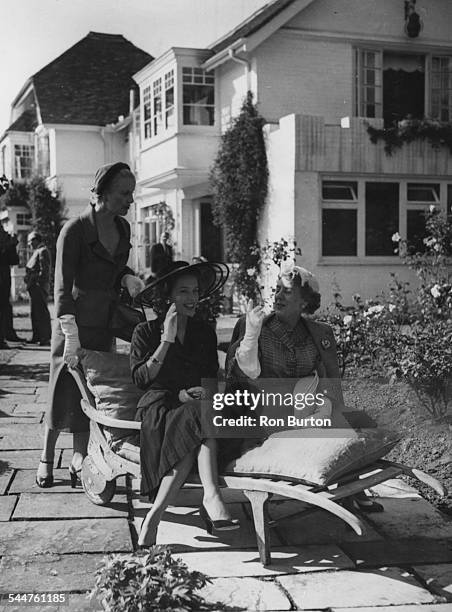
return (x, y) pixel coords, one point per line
(293, 210)
(76, 155)
(308, 77)
(385, 18)
(232, 87)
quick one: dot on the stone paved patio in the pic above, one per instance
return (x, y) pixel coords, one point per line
(53, 539)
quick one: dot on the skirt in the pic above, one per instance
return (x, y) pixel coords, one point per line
(64, 412)
(169, 432)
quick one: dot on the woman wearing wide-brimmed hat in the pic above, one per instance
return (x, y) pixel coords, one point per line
(170, 357)
(90, 269)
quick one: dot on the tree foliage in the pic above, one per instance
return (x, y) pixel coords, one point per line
(47, 212)
(239, 180)
(17, 195)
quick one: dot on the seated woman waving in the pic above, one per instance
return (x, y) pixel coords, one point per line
(169, 358)
(289, 344)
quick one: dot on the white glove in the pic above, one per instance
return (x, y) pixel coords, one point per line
(170, 325)
(71, 340)
(246, 354)
(133, 284)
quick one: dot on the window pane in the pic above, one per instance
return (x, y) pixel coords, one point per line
(415, 229)
(23, 161)
(198, 96)
(423, 192)
(198, 115)
(339, 190)
(202, 94)
(339, 232)
(382, 217)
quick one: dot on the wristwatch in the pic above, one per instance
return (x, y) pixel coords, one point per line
(155, 360)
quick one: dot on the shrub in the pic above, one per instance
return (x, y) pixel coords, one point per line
(425, 352)
(147, 581)
(426, 364)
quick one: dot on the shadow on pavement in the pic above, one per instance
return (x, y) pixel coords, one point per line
(38, 371)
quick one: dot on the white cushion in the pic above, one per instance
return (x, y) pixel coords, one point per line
(314, 457)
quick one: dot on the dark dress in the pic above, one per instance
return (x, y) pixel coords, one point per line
(87, 285)
(171, 430)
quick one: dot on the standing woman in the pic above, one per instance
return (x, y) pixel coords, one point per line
(90, 270)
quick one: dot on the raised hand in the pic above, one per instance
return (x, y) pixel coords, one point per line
(254, 318)
(170, 325)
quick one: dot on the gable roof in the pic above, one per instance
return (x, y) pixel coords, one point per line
(251, 25)
(25, 123)
(89, 83)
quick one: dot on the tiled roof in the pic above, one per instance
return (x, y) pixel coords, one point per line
(90, 82)
(252, 24)
(25, 123)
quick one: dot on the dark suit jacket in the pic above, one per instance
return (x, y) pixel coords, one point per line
(87, 277)
(160, 256)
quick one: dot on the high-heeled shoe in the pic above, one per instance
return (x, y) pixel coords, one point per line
(150, 540)
(367, 505)
(74, 475)
(363, 504)
(218, 525)
(45, 481)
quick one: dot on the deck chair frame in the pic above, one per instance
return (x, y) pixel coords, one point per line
(102, 466)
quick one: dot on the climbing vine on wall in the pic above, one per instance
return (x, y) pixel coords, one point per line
(239, 179)
(438, 134)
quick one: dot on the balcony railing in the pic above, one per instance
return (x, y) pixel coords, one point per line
(332, 148)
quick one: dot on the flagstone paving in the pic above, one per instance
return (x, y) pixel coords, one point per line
(378, 587)
(54, 539)
(62, 505)
(64, 536)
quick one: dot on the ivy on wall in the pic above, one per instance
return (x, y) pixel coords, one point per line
(438, 134)
(239, 179)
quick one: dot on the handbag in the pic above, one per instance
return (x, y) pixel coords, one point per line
(124, 319)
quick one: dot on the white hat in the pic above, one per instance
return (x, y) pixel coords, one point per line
(307, 278)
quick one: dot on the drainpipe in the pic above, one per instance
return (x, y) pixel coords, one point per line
(244, 62)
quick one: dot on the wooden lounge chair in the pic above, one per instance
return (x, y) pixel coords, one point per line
(102, 466)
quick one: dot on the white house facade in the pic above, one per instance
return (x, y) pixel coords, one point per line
(320, 71)
(69, 118)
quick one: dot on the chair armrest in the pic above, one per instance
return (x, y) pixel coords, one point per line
(103, 419)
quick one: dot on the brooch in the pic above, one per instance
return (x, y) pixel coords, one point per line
(326, 344)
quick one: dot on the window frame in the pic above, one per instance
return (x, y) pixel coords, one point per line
(206, 74)
(360, 206)
(154, 108)
(357, 68)
(18, 164)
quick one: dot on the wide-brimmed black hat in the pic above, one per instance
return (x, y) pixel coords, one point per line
(211, 277)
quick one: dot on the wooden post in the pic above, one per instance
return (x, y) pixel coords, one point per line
(259, 500)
